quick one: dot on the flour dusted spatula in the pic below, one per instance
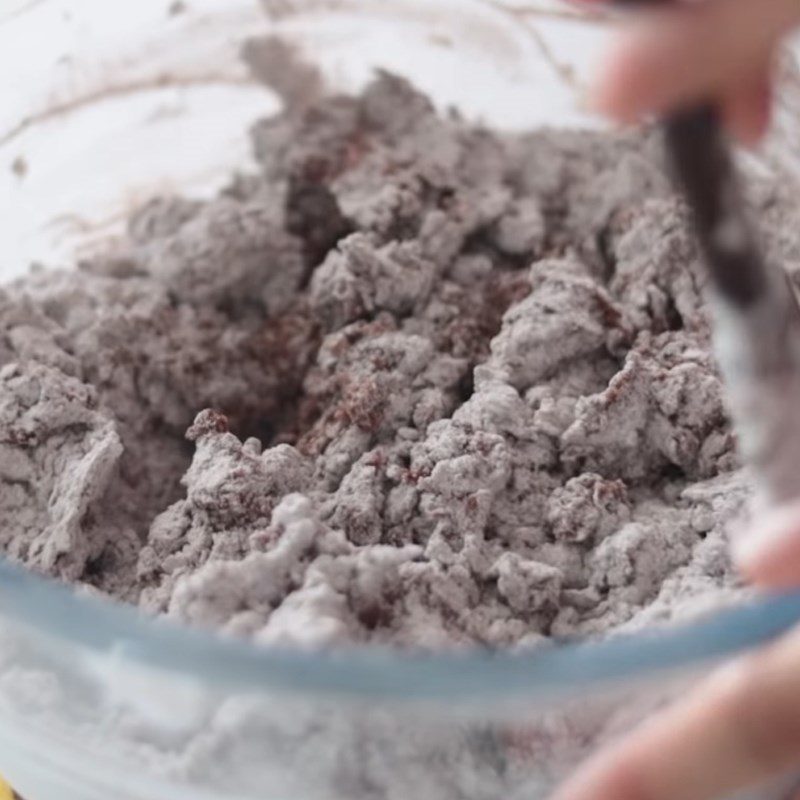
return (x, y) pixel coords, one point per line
(756, 317)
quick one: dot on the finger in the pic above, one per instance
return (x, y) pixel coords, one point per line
(747, 108)
(737, 731)
(769, 553)
(672, 57)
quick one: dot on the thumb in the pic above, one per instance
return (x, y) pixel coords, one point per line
(768, 554)
(690, 52)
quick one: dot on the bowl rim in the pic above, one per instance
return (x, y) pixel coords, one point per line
(91, 625)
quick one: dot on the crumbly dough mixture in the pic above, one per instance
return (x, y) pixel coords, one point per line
(415, 382)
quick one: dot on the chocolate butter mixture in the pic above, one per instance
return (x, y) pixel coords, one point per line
(414, 382)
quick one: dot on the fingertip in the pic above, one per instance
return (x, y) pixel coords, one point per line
(768, 553)
(608, 93)
(649, 70)
(620, 89)
(603, 778)
(676, 56)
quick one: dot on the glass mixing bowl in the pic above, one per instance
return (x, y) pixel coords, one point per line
(105, 104)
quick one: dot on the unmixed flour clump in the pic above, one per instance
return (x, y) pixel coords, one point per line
(415, 382)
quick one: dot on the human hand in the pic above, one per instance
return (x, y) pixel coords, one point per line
(689, 51)
(737, 730)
